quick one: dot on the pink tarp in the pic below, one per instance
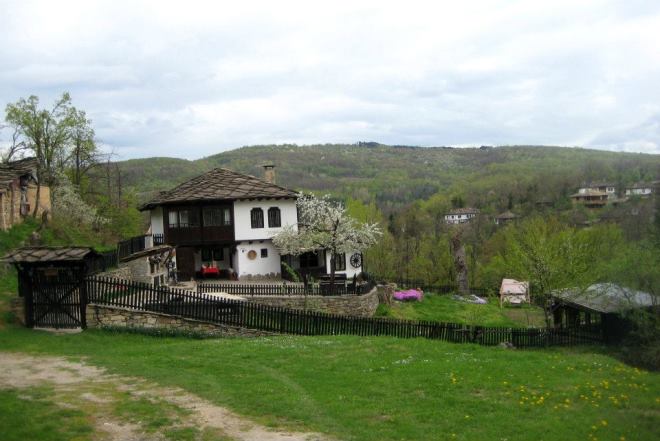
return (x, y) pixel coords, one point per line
(411, 294)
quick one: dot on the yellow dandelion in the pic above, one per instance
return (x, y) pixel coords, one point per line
(604, 423)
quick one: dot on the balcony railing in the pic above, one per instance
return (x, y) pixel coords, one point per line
(139, 243)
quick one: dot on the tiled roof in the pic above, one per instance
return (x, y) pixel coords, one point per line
(15, 169)
(47, 254)
(220, 184)
(589, 193)
(507, 215)
(463, 211)
(605, 297)
(639, 185)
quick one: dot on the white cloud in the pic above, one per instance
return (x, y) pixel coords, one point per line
(189, 79)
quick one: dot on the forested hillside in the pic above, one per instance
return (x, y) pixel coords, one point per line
(396, 176)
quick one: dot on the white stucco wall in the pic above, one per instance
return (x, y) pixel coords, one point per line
(242, 222)
(350, 271)
(157, 221)
(259, 266)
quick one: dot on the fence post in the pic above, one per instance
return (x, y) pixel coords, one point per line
(83, 302)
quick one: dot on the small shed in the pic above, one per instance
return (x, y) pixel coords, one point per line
(514, 292)
(602, 304)
(50, 280)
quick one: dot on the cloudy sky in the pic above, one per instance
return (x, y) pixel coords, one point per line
(192, 78)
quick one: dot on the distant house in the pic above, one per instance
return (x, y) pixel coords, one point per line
(590, 198)
(602, 304)
(639, 189)
(460, 215)
(18, 192)
(604, 187)
(514, 292)
(221, 223)
(505, 218)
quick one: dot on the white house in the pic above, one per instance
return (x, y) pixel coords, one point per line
(222, 223)
(639, 189)
(461, 215)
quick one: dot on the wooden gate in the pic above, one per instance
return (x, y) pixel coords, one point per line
(56, 298)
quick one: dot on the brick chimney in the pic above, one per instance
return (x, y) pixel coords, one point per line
(269, 172)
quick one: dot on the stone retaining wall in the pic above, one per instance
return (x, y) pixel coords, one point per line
(100, 316)
(362, 306)
(123, 272)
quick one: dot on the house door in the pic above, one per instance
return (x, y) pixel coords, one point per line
(185, 262)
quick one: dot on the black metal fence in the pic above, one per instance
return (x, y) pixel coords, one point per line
(103, 262)
(210, 308)
(133, 245)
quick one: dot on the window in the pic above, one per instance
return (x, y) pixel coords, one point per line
(264, 252)
(173, 219)
(274, 218)
(209, 254)
(183, 218)
(339, 262)
(257, 218)
(309, 260)
(216, 216)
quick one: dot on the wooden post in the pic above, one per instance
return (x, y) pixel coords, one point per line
(83, 297)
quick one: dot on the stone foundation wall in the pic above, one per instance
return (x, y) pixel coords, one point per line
(123, 272)
(99, 316)
(362, 306)
(17, 307)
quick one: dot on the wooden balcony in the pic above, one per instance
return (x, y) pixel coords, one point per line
(198, 235)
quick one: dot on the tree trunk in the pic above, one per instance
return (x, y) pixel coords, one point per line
(37, 197)
(332, 271)
(460, 263)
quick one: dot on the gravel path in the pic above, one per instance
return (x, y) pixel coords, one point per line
(94, 391)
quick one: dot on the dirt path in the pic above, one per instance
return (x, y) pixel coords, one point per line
(104, 396)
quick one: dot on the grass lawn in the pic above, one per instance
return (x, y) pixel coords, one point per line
(444, 308)
(31, 415)
(385, 388)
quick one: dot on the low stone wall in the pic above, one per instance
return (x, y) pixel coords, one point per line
(123, 272)
(362, 306)
(100, 316)
(17, 307)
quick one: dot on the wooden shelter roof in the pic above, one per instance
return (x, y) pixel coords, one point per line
(221, 184)
(507, 215)
(48, 254)
(16, 169)
(606, 298)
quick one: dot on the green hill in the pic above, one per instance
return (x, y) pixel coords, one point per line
(394, 176)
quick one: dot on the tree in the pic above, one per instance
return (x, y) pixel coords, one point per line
(84, 153)
(44, 132)
(324, 224)
(551, 257)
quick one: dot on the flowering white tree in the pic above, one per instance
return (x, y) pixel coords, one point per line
(68, 204)
(324, 224)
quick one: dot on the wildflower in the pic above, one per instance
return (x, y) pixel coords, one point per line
(604, 423)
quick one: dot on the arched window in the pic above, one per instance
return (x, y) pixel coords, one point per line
(274, 217)
(257, 218)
